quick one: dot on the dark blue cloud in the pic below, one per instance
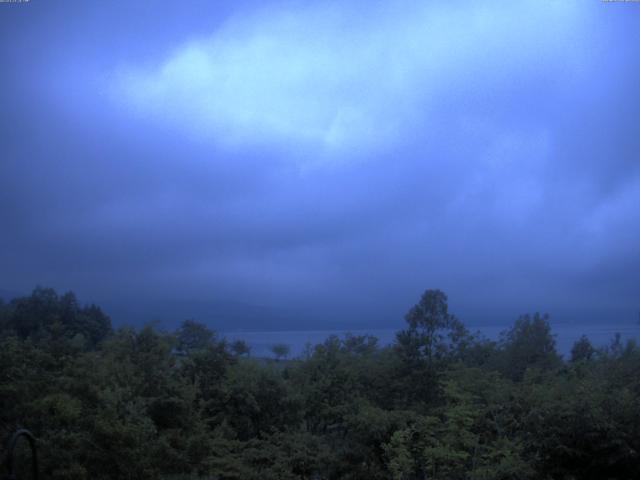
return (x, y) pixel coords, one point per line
(327, 160)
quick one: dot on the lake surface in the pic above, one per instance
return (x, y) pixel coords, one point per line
(566, 335)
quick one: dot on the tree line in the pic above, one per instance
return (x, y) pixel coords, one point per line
(439, 403)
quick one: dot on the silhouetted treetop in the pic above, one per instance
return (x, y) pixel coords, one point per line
(44, 315)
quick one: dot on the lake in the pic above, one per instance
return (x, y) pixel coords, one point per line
(566, 335)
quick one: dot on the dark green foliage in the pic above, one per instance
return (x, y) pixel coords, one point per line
(433, 334)
(45, 318)
(240, 348)
(193, 336)
(280, 350)
(439, 404)
(434, 338)
(529, 344)
(582, 350)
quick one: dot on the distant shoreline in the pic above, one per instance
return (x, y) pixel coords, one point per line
(565, 333)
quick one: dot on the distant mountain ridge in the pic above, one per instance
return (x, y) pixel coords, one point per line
(218, 315)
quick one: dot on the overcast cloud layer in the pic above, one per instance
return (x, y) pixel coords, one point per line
(325, 160)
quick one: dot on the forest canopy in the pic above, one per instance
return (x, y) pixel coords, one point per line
(438, 403)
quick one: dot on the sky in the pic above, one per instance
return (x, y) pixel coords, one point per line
(290, 164)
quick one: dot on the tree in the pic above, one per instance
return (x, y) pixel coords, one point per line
(433, 332)
(359, 344)
(193, 336)
(255, 400)
(433, 339)
(240, 347)
(529, 344)
(582, 350)
(44, 316)
(280, 350)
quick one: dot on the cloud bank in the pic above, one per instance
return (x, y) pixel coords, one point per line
(341, 79)
(333, 159)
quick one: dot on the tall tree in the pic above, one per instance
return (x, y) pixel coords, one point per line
(529, 344)
(582, 350)
(433, 332)
(194, 336)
